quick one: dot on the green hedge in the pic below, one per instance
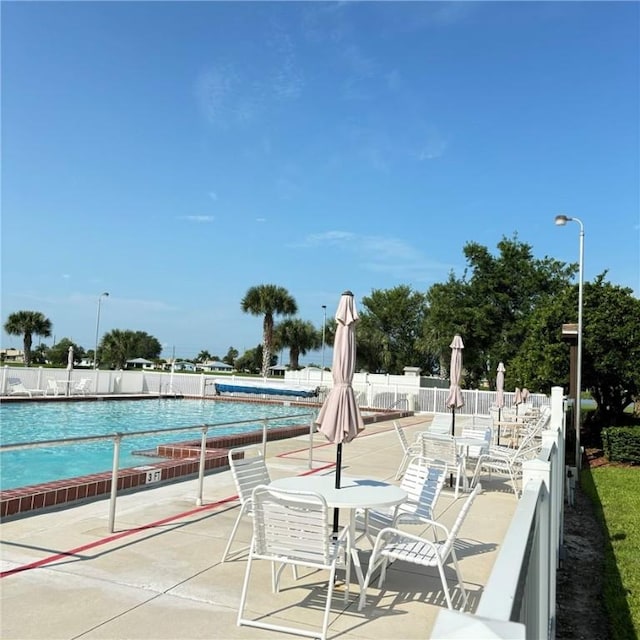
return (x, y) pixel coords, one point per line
(622, 444)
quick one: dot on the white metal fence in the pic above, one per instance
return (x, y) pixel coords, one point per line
(519, 600)
(383, 393)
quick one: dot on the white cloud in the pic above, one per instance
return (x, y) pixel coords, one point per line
(197, 218)
(381, 254)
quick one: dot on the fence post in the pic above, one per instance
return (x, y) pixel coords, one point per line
(114, 482)
(203, 457)
(540, 598)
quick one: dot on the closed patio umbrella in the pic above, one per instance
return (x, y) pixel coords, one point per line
(339, 418)
(517, 398)
(500, 394)
(70, 359)
(454, 399)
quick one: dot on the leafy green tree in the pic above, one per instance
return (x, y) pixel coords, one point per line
(299, 336)
(611, 346)
(491, 304)
(231, 356)
(27, 324)
(388, 334)
(39, 354)
(58, 355)
(118, 346)
(268, 300)
(252, 359)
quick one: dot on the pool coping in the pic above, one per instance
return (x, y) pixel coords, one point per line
(183, 460)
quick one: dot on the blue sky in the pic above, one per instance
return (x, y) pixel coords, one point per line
(176, 154)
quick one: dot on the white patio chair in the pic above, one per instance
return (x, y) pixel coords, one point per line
(442, 449)
(82, 386)
(393, 544)
(52, 386)
(292, 528)
(441, 423)
(481, 433)
(17, 388)
(408, 449)
(507, 460)
(249, 470)
(423, 482)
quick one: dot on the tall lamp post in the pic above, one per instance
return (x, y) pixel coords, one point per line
(561, 220)
(324, 326)
(95, 353)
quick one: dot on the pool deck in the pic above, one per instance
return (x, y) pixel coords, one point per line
(159, 575)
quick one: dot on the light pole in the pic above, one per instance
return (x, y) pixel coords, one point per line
(324, 326)
(561, 220)
(95, 353)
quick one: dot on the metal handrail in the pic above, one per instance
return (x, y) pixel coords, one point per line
(118, 437)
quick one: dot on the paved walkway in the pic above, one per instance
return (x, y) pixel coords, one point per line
(159, 575)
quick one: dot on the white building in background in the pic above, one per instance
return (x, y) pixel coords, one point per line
(11, 355)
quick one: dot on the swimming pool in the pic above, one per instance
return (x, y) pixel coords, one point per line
(33, 422)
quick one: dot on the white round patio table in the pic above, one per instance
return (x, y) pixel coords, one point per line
(354, 493)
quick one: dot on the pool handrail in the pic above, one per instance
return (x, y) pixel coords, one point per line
(119, 436)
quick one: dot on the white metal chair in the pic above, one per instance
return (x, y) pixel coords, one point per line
(508, 461)
(52, 386)
(82, 386)
(393, 544)
(441, 423)
(16, 387)
(423, 482)
(481, 433)
(443, 449)
(249, 470)
(408, 449)
(292, 528)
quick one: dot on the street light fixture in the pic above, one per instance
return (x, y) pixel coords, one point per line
(324, 326)
(95, 353)
(562, 220)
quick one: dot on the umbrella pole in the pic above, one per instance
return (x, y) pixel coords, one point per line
(499, 419)
(453, 433)
(336, 512)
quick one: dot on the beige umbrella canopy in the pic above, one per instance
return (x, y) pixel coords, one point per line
(454, 399)
(339, 418)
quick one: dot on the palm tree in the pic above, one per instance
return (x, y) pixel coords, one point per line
(268, 300)
(117, 347)
(203, 356)
(27, 323)
(300, 336)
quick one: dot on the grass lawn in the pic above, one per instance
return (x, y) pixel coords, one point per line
(615, 491)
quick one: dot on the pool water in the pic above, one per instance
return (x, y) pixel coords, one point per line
(33, 422)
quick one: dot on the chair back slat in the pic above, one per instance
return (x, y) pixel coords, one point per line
(292, 525)
(248, 469)
(439, 447)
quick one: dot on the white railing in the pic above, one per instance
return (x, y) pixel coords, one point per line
(117, 438)
(519, 599)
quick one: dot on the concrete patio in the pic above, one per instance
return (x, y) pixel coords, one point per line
(159, 574)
